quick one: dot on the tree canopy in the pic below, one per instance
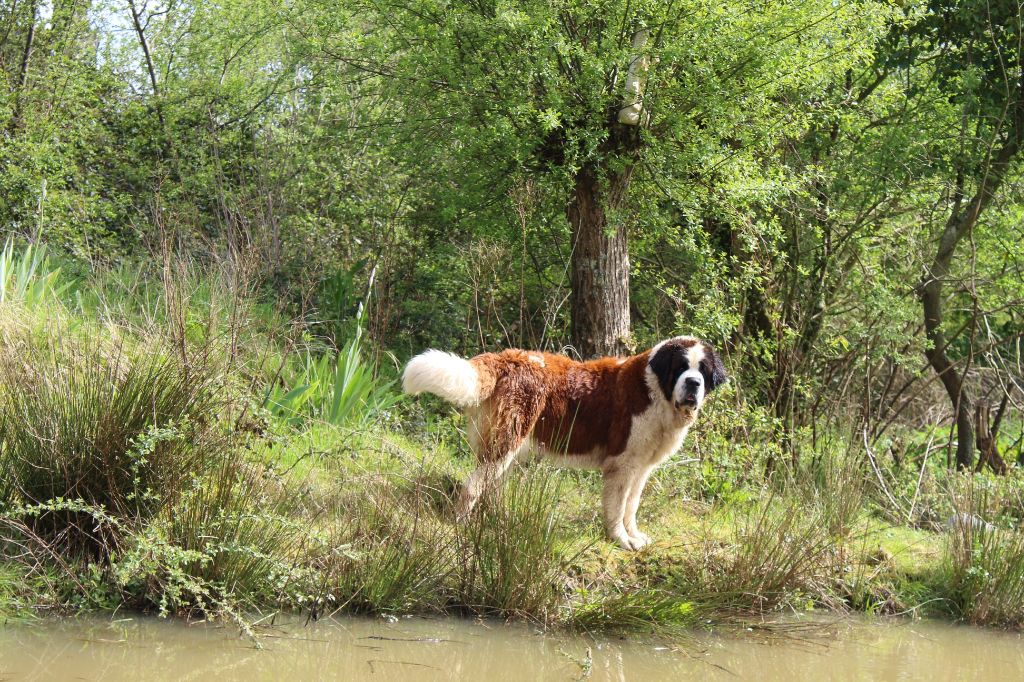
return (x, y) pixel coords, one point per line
(828, 190)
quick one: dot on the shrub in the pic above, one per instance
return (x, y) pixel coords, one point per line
(114, 428)
(508, 558)
(985, 564)
(232, 537)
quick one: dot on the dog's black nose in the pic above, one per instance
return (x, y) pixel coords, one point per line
(692, 384)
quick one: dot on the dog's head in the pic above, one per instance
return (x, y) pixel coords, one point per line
(686, 370)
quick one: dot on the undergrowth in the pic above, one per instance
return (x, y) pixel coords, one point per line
(167, 444)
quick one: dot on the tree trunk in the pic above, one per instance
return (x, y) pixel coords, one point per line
(988, 451)
(931, 300)
(26, 56)
(600, 263)
(959, 224)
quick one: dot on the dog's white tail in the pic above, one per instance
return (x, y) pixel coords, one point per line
(445, 375)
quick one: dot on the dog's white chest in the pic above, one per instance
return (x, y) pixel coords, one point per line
(656, 434)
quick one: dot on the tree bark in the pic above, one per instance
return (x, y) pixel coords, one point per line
(600, 245)
(988, 433)
(959, 224)
(26, 57)
(140, 33)
(930, 293)
(600, 262)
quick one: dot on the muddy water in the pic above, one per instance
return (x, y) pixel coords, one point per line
(417, 649)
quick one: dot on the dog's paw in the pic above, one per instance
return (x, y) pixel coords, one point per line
(640, 540)
(620, 537)
(628, 542)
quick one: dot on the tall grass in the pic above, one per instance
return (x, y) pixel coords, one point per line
(782, 548)
(984, 563)
(114, 428)
(118, 449)
(402, 553)
(128, 477)
(394, 555)
(232, 541)
(117, 467)
(509, 560)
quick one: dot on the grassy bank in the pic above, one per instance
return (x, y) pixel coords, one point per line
(169, 444)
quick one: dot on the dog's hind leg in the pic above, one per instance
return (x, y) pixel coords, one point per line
(636, 490)
(484, 477)
(498, 434)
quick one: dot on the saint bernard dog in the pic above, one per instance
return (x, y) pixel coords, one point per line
(624, 416)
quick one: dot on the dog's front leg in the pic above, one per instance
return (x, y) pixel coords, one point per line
(617, 485)
(636, 489)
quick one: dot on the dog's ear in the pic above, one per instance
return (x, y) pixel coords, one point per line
(664, 364)
(718, 375)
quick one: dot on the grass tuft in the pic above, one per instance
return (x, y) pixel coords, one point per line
(115, 429)
(509, 561)
(985, 563)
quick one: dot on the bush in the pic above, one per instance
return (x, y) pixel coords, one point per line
(113, 428)
(232, 537)
(985, 563)
(508, 557)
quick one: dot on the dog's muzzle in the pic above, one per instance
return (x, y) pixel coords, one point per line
(690, 394)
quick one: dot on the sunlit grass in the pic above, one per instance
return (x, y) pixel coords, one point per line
(164, 447)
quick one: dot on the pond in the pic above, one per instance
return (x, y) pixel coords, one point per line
(448, 649)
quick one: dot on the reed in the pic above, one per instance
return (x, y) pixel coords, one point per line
(984, 563)
(509, 559)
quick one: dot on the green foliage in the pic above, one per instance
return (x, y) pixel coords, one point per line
(28, 277)
(231, 541)
(349, 392)
(389, 177)
(101, 423)
(395, 559)
(637, 610)
(340, 389)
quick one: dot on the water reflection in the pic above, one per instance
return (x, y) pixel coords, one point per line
(152, 649)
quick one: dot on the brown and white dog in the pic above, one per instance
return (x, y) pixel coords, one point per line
(624, 416)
